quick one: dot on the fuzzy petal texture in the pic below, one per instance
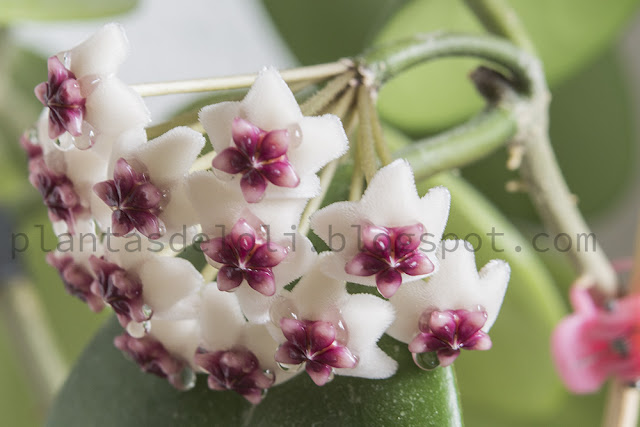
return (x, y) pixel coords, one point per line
(271, 106)
(391, 200)
(217, 219)
(113, 108)
(166, 281)
(102, 53)
(169, 157)
(179, 337)
(221, 320)
(457, 285)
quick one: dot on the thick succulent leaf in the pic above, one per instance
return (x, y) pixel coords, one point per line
(14, 10)
(105, 389)
(519, 359)
(591, 130)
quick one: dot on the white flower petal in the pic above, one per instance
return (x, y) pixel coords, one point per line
(323, 140)
(100, 54)
(101, 212)
(270, 104)
(367, 318)
(169, 157)
(317, 296)
(179, 216)
(457, 285)
(257, 339)
(206, 191)
(85, 169)
(216, 120)
(179, 337)
(113, 107)
(221, 320)
(167, 280)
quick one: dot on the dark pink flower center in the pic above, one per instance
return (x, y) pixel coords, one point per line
(62, 94)
(135, 201)
(260, 157)
(313, 343)
(237, 369)
(447, 332)
(77, 280)
(120, 290)
(154, 358)
(245, 255)
(57, 192)
(387, 252)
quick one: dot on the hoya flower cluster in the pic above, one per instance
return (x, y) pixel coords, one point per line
(277, 307)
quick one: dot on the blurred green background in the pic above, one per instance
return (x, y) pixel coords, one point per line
(593, 68)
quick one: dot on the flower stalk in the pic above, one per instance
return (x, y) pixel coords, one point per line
(310, 74)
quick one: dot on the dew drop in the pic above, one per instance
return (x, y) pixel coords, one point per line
(269, 374)
(295, 135)
(282, 308)
(342, 333)
(187, 378)
(426, 361)
(147, 311)
(331, 376)
(136, 330)
(290, 368)
(222, 176)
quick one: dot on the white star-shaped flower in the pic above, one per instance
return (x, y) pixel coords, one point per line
(453, 309)
(86, 103)
(255, 246)
(265, 143)
(319, 324)
(387, 238)
(147, 186)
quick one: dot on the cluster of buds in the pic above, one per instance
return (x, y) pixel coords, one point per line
(276, 305)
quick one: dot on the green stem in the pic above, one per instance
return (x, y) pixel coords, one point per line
(527, 98)
(388, 61)
(366, 156)
(461, 145)
(327, 94)
(310, 74)
(499, 18)
(190, 116)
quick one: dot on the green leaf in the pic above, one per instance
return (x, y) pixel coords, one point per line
(434, 96)
(591, 130)
(61, 10)
(323, 31)
(516, 376)
(105, 389)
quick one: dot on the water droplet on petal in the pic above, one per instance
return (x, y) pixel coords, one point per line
(187, 378)
(290, 368)
(342, 333)
(222, 176)
(426, 361)
(295, 136)
(136, 330)
(282, 308)
(331, 376)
